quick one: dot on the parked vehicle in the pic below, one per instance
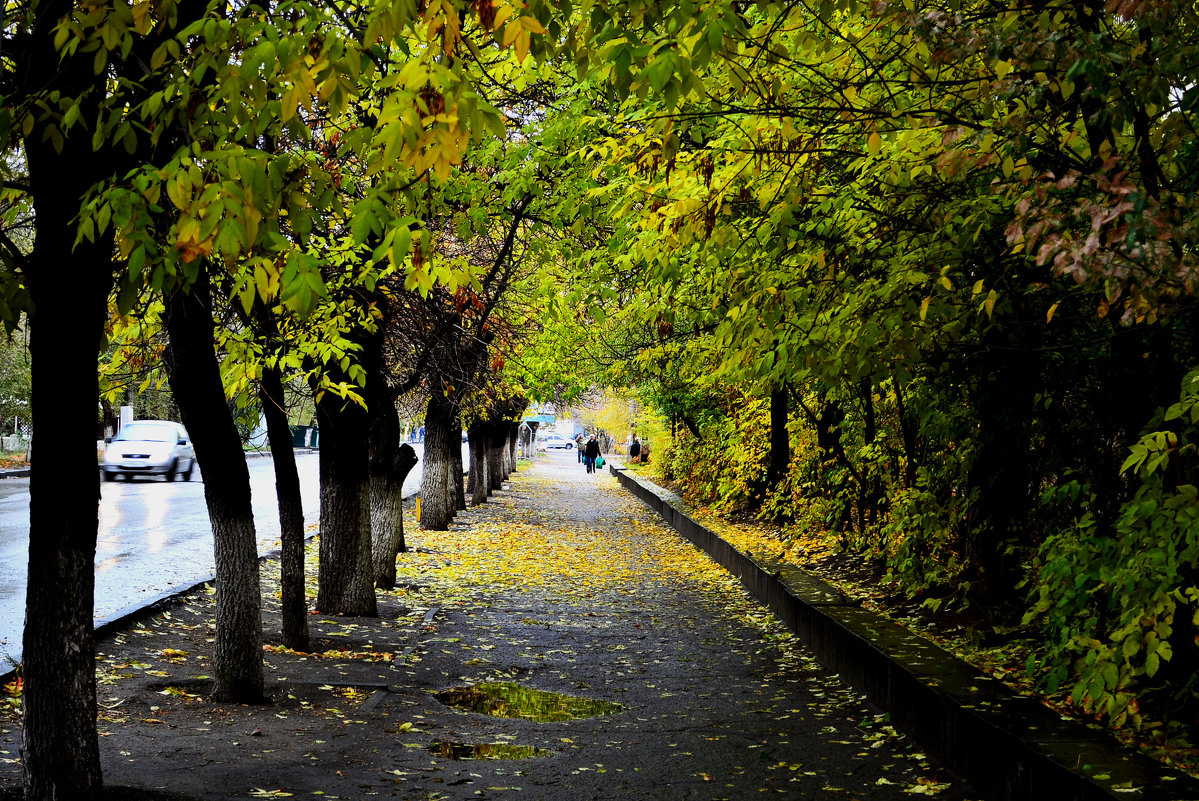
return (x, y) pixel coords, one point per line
(151, 448)
(556, 441)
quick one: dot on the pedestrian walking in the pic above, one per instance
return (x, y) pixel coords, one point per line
(580, 446)
(635, 451)
(592, 454)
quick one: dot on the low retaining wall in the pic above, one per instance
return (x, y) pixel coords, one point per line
(1008, 746)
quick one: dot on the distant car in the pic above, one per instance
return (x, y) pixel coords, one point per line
(556, 441)
(149, 448)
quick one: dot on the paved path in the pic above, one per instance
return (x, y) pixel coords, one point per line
(564, 583)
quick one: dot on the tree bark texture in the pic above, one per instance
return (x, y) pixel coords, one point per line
(496, 436)
(513, 436)
(346, 575)
(437, 500)
(387, 508)
(195, 379)
(294, 605)
(390, 464)
(69, 287)
(480, 486)
(456, 467)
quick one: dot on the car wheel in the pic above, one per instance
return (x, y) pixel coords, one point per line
(187, 474)
(171, 470)
(108, 476)
(569, 446)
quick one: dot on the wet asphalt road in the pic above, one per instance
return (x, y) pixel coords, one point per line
(154, 539)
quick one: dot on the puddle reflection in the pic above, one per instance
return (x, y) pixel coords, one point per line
(485, 751)
(510, 700)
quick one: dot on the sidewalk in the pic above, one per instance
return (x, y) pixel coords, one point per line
(563, 582)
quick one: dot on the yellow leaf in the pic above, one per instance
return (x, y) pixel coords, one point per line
(873, 143)
(989, 303)
(502, 15)
(522, 46)
(1049, 314)
(531, 25)
(510, 33)
(924, 307)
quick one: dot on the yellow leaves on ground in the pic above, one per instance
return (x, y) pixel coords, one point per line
(336, 653)
(494, 557)
(569, 559)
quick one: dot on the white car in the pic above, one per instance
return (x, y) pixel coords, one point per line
(149, 448)
(556, 441)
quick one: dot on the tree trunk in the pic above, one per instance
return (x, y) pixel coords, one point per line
(346, 575)
(480, 487)
(390, 464)
(69, 286)
(294, 605)
(437, 504)
(195, 378)
(496, 433)
(513, 435)
(456, 466)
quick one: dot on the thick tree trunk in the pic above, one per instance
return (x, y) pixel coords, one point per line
(513, 436)
(390, 464)
(69, 286)
(346, 575)
(294, 605)
(195, 379)
(496, 433)
(456, 466)
(437, 504)
(387, 507)
(480, 486)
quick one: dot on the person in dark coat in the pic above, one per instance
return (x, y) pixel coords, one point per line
(592, 454)
(635, 450)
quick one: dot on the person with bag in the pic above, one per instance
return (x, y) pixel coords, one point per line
(592, 454)
(635, 451)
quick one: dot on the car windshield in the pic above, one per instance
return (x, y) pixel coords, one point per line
(148, 432)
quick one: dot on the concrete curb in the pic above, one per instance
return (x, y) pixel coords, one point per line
(1008, 746)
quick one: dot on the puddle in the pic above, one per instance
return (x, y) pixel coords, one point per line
(485, 751)
(508, 700)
